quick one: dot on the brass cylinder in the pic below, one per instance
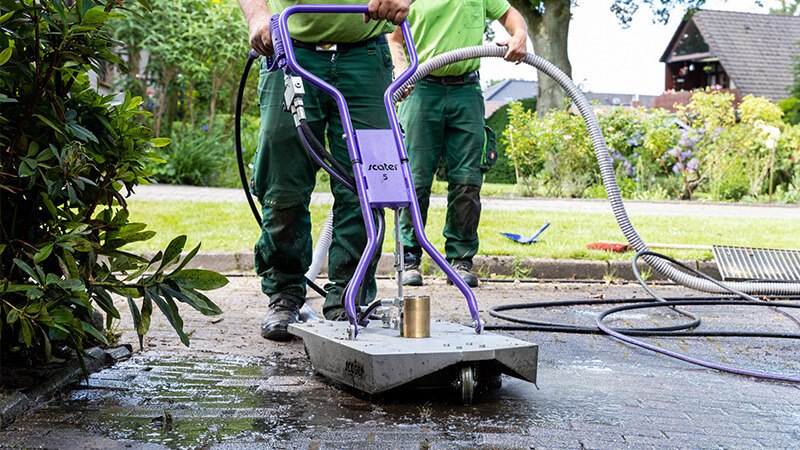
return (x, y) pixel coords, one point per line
(417, 317)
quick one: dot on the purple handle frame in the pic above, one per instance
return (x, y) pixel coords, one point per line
(283, 43)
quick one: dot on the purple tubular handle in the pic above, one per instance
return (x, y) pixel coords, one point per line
(416, 215)
(282, 42)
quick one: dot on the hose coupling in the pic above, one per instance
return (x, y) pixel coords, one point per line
(293, 98)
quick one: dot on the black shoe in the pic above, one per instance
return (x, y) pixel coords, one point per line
(276, 321)
(463, 271)
(411, 273)
(412, 276)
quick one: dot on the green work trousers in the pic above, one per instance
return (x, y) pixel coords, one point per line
(284, 174)
(445, 122)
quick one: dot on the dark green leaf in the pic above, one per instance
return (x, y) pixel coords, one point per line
(147, 311)
(173, 252)
(42, 254)
(82, 133)
(27, 269)
(105, 303)
(137, 318)
(87, 327)
(204, 280)
(61, 316)
(187, 258)
(50, 124)
(72, 266)
(49, 205)
(209, 309)
(133, 237)
(170, 310)
(19, 287)
(27, 332)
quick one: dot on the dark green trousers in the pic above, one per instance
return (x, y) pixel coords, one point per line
(445, 122)
(284, 174)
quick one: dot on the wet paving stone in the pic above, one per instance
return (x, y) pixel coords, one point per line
(592, 392)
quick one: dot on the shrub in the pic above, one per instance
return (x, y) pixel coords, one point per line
(555, 150)
(503, 170)
(70, 159)
(791, 110)
(200, 156)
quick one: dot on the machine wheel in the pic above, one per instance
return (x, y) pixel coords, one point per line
(467, 382)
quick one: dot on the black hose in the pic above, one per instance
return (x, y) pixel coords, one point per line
(334, 167)
(740, 298)
(238, 136)
(240, 158)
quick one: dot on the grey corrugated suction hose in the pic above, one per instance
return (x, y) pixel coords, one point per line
(321, 247)
(606, 168)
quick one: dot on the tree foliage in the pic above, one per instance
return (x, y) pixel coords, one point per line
(69, 157)
(185, 57)
(549, 33)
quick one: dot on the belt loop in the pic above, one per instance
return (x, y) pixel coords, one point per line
(372, 46)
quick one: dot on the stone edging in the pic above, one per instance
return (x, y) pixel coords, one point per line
(15, 404)
(508, 266)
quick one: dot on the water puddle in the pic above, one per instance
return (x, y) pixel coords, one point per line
(184, 403)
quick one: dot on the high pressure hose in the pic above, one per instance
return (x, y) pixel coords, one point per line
(606, 169)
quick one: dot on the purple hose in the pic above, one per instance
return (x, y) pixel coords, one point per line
(681, 356)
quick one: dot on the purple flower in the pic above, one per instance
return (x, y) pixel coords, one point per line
(691, 166)
(628, 167)
(686, 154)
(676, 168)
(205, 127)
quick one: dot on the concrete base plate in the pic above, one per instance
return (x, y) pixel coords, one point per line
(380, 360)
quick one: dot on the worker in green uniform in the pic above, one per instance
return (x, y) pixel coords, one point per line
(351, 53)
(443, 119)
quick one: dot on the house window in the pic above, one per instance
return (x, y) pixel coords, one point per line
(691, 42)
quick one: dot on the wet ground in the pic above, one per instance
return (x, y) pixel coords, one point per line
(232, 389)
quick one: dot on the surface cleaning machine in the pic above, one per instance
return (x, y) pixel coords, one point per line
(392, 342)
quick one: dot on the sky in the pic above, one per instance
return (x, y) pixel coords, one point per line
(605, 57)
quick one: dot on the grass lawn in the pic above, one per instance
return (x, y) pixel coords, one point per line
(231, 227)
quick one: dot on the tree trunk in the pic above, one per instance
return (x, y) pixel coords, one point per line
(549, 35)
(190, 103)
(163, 101)
(216, 82)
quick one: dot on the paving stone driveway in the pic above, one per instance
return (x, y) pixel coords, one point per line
(232, 389)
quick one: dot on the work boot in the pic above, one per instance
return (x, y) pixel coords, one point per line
(411, 274)
(281, 313)
(462, 270)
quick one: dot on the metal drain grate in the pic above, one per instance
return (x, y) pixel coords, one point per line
(742, 263)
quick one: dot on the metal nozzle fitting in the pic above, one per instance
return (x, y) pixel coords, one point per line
(417, 317)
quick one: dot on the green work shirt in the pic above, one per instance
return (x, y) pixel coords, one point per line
(337, 27)
(439, 26)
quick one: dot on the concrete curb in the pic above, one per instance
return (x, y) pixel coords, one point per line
(484, 266)
(15, 404)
